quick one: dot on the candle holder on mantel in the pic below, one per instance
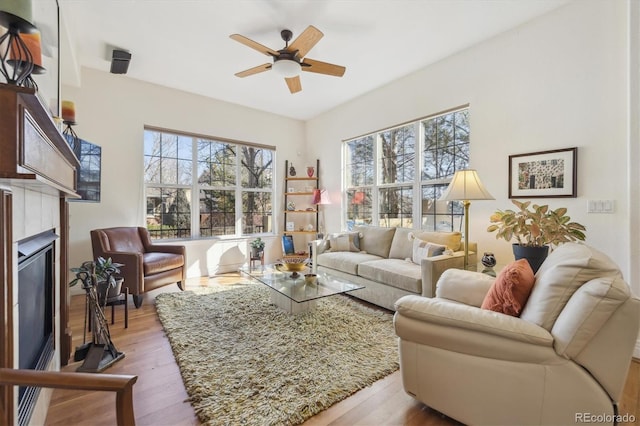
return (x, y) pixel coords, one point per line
(14, 53)
(70, 135)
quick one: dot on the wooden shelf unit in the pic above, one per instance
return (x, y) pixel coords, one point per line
(298, 196)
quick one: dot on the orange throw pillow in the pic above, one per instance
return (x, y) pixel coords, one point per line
(511, 289)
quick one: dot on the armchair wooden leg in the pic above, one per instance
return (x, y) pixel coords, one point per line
(137, 300)
(181, 285)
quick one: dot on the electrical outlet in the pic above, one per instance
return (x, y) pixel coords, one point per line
(601, 206)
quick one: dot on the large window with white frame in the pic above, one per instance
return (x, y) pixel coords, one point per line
(394, 177)
(198, 186)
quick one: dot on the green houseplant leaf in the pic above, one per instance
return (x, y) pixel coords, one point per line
(535, 225)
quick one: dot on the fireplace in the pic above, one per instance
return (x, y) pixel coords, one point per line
(36, 278)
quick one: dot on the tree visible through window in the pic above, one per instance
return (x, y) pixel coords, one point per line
(395, 177)
(233, 181)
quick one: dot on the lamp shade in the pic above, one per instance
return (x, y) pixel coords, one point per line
(466, 185)
(286, 67)
(321, 197)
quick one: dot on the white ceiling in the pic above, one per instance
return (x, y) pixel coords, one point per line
(185, 44)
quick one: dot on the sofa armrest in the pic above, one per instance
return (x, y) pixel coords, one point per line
(462, 286)
(433, 267)
(161, 248)
(466, 329)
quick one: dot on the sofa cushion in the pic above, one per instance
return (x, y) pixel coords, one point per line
(511, 289)
(376, 240)
(396, 273)
(344, 242)
(423, 249)
(453, 240)
(122, 239)
(567, 268)
(402, 244)
(344, 261)
(159, 262)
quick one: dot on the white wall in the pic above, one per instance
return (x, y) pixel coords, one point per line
(559, 81)
(112, 111)
(556, 82)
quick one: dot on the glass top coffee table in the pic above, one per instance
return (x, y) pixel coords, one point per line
(294, 295)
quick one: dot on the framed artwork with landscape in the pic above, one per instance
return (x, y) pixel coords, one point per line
(544, 174)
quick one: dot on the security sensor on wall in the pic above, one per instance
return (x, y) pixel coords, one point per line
(120, 61)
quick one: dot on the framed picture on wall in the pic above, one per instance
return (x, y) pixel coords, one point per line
(544, 174)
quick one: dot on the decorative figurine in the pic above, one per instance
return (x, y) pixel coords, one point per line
(488, 260)
(292, 171)
(291, 206)
(310, 171)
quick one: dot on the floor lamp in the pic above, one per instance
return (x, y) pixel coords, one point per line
(466, 186)
(320, 198)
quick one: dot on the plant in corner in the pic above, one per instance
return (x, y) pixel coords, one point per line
(535, 229)
(257, 246)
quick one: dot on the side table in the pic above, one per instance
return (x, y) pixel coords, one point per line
(259, 258)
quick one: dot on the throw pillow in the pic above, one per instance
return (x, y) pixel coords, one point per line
(344, 242)
(424, 249)
(509, 292)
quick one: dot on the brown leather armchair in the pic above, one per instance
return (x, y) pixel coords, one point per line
(147, 266)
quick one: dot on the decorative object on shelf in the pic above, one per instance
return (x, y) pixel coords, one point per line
(544, 174)
(465, 186)
(290, 226)
(292, 171)
(14, 52)
(488, 260)
(310, 171)
(535, 230)
(287, 245)
(291, 205)
(257, 247)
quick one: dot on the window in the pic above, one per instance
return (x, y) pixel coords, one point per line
(233, 183)
(395, 177)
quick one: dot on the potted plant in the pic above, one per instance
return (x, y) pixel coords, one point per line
(535, 229)
(105, 270)
(257, 246)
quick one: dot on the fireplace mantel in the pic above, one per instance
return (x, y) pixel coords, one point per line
(34, 151)
(37, 175)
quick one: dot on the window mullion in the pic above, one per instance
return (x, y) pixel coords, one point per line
(195, 192)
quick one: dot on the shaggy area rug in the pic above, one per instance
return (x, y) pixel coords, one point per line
(244, 361)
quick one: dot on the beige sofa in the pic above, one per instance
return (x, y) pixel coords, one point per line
(382, 261)
(563, 361)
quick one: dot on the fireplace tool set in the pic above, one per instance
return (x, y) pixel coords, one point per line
(100, 353)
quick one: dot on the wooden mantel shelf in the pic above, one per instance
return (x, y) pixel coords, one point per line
(33, 150)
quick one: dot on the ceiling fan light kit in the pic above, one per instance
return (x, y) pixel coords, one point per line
(286, 67)
(289, 61)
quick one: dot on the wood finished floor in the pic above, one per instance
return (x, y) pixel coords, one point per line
(160, 398)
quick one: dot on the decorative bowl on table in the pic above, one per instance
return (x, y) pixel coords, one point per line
(292, 264)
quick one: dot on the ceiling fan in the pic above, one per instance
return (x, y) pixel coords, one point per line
(291, 59)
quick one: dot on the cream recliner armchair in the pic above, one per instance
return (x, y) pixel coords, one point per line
(564, 359)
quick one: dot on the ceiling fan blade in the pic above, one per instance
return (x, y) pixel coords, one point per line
(305, 41)
(294, 84)
(254, 45)
(323, 67)
(254, 70)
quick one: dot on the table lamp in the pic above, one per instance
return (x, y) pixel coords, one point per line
(466, 186)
